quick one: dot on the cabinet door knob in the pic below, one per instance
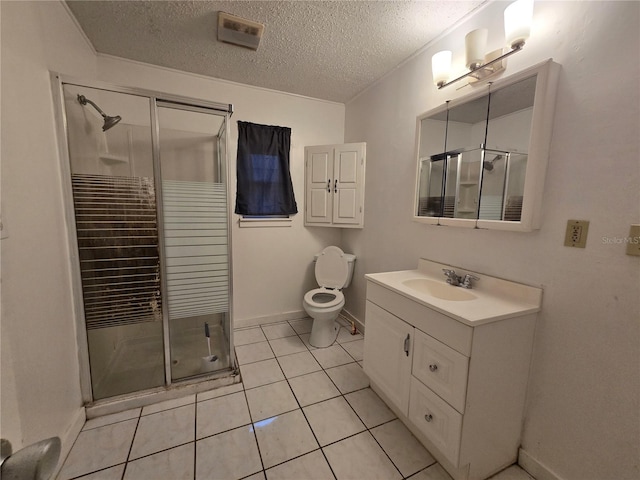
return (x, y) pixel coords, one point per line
(428, 417)
(433, 367)
(335, 186)
(329, 186)
(406, 344)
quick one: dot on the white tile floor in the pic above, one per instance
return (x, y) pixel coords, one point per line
(300, 413)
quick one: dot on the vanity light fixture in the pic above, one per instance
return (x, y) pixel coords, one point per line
(517, 26)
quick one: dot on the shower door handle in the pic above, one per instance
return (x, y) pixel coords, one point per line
(406, 345)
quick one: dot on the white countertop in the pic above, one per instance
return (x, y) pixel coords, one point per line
(495, 298)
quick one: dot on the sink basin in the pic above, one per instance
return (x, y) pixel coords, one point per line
(440, 290)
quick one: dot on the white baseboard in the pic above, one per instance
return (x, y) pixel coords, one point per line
(295, 315)
(534, 468)
(280, 317)
(69, 437)
(350, 318)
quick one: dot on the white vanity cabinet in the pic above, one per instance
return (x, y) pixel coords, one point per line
(459, 386)
(334, 185)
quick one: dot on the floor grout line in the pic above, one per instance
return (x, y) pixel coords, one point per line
(244, 390)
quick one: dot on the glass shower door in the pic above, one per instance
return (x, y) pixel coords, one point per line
(114, 197)
(196, 244)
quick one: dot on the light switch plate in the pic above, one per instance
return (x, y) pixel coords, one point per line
(633, 244)
(576, 234)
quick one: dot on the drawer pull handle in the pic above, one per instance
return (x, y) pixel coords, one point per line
(433, 367)
(428, 417)
(406, 344)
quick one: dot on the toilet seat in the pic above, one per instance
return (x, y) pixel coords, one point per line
(337, 295)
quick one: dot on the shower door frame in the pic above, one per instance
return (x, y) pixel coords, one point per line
(180, 102)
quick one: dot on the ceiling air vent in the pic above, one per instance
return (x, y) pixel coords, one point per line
(239, 31)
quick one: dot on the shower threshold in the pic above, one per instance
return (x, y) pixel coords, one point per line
(181, 389)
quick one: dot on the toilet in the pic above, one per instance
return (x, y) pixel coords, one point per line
(334, 270)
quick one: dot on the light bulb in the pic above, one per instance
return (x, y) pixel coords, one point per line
(517, 22)
(475, 43)
(440, 67)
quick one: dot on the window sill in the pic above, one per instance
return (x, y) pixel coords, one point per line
(248, 222)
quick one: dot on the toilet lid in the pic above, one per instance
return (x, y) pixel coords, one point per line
(332, 268)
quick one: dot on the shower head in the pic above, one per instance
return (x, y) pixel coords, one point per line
(108, 121)
(488, 165)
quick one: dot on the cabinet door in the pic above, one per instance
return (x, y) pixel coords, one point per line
(348, 184)
(319, 186)
(388, 349)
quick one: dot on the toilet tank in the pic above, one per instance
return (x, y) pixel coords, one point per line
(351, 260)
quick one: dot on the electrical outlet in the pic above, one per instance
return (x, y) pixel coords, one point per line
(633, 244)
(576, 234)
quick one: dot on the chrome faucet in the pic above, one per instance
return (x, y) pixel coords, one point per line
(452, 277)
(457, 281)
(466, 281)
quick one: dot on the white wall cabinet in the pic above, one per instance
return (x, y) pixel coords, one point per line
(460, 389)
(334, 185)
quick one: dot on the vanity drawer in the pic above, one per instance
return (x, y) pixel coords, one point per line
(441, 368)
(436, 419)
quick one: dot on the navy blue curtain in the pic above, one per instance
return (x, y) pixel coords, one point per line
(262, 171)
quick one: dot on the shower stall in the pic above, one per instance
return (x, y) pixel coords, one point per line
(147, 193)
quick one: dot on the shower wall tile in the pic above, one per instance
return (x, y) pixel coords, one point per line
(151, 435)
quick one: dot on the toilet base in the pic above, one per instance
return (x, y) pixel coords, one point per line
(323, 333)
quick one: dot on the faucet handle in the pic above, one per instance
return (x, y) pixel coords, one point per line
(452, 277)
(466, 281)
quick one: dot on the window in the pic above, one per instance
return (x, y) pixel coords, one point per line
(264, 181)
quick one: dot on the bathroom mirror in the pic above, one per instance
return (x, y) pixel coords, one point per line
(482, 157)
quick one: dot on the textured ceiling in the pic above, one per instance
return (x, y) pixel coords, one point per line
(330, 50)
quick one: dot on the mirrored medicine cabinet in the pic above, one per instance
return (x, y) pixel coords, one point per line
(482, 158)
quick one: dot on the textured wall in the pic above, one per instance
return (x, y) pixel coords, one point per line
(582, 418)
